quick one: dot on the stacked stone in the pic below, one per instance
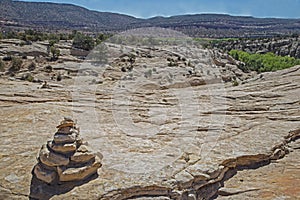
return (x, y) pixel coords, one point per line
(66, 157)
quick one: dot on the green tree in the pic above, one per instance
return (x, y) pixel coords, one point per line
(84, 42)
(263, 62)
(55, 52)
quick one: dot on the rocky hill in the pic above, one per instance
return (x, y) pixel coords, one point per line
(52, 16)
(60, 16)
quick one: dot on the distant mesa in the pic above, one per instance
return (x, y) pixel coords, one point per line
(53, 16)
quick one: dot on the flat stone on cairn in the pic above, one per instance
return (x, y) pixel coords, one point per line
(65, 158)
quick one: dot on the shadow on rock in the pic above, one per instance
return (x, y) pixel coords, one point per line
(43, 191)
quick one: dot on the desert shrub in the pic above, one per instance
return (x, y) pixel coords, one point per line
(27, 77)
(48, 68)
(148, 73)
(235, 83)
(55, 52)
(7, 58)
(263, 62)
(2, 66)
(16, 64)
(59, 77)
(31, 66)
(172, 64)
(82, 41)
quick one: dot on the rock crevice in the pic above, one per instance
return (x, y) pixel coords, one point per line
(198, 188)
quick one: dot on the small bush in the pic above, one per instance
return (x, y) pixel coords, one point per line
(148, 73)
(172, 64)
(263, 62)
(16, 64)
(7, 58)
(235, 83)
(48, 68)
(2, 66)
(59, 77)
(55, 53)
(31, 66)
(27, 77)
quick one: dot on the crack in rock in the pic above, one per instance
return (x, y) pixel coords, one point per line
(208, 189)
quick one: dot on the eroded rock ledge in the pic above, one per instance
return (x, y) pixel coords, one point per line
(205, 187)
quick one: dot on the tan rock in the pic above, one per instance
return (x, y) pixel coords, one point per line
(65, 130)
(67, 124)
(45, 175)
(63, 138)
(83, 149)
(76, 174)
(52, 159)
(80, 157)
(63, 148)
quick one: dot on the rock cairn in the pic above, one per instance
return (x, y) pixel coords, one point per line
(66, 157)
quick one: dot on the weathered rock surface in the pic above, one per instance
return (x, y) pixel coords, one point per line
(162, 138)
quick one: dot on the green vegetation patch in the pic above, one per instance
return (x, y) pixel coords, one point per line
(263, 62)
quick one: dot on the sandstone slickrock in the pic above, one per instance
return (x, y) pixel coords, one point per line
(141, 162)
(64, 158)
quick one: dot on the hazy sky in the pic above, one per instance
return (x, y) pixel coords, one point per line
(150, 8)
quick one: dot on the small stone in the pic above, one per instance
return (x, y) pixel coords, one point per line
(80, 157)
(63, 148)
(277, 154)
(76, 174)
(65, 130)
(52, 159)
(66, 124)
(83, 149)
(192, 197)
(183, 177)
(12, 178)
(68, 119)
(63, 138)
(45, 175)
